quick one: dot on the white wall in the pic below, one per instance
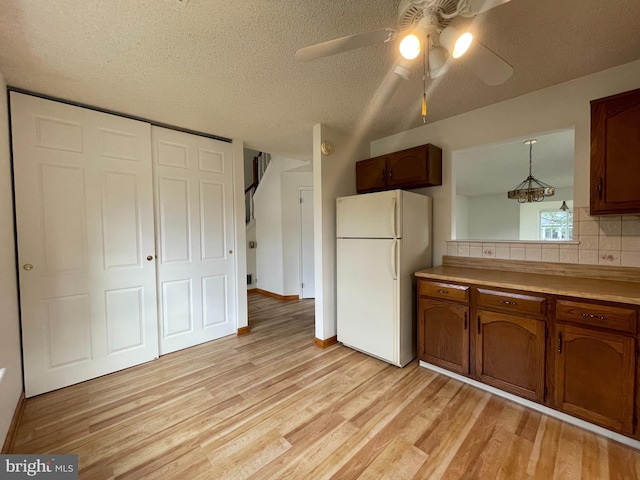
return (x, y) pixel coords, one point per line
(559, 107)
(462, 217)
(10, 357)
(270, 227)
(493, 217)
(334, 176)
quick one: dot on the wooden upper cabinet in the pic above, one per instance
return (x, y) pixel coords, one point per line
(415, 167)
(615, 154)
(371, 174)
(595, 374)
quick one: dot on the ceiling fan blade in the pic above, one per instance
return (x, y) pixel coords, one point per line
(487, 65)
(399, 72)
(343, 44)
(481, 6)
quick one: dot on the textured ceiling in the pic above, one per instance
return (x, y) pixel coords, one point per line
(227, 68)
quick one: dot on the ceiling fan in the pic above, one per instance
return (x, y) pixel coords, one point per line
(424, 27)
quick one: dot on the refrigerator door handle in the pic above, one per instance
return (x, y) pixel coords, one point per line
(394, 219)
(394, 263)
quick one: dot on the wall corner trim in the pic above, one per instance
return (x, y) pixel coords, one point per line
(277, 295)
(15, 423)
(326, 342)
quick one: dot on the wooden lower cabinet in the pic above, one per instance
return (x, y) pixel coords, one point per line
(443, 334)
(586, 367)
(510, 353)
(595, 376)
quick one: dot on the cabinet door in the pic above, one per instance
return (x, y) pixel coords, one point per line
(371, 174)
(595, 376)
(615, 142)
(443, 334)
(510, 353)
(419, 166)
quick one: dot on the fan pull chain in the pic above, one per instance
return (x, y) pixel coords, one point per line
(425, 69)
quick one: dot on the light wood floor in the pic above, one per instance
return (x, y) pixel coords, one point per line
(272, 405)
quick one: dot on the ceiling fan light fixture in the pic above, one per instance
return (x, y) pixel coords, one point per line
(455, 42)
(437, 62)
(401, 70)
(462, 45)
(410, 46)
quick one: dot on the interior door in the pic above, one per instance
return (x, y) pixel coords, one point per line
(195, 236)
(84, 220)
(307, 289)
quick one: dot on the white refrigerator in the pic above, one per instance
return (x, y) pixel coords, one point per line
(382, 239)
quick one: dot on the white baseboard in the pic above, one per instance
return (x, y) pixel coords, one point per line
(536, 406)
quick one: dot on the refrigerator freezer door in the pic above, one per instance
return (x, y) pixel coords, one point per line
(367, 296)
(372, 215)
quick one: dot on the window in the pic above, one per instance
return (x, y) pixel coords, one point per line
(556, 225)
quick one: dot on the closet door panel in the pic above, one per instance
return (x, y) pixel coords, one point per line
(84, 220)
(194, 205)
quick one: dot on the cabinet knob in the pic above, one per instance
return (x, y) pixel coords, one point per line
(149, 257)
(28, 266)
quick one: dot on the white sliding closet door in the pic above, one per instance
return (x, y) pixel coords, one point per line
(84, 219)
(195, 237)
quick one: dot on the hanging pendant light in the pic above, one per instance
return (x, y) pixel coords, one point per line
(531, 189)
(564, 207)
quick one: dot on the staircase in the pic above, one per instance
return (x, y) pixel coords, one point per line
(260, 164)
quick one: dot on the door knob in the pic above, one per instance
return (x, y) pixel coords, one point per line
(28, 266)
(149, 257)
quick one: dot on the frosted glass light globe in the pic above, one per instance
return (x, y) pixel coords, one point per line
(462, 44)
(410, 47)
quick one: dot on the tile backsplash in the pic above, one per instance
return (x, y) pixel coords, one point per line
(603, 240)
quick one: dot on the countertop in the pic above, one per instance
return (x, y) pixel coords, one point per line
(589, 288)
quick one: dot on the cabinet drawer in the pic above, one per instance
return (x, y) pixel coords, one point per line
(511, 302)
(597, 315)
(449, 291)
